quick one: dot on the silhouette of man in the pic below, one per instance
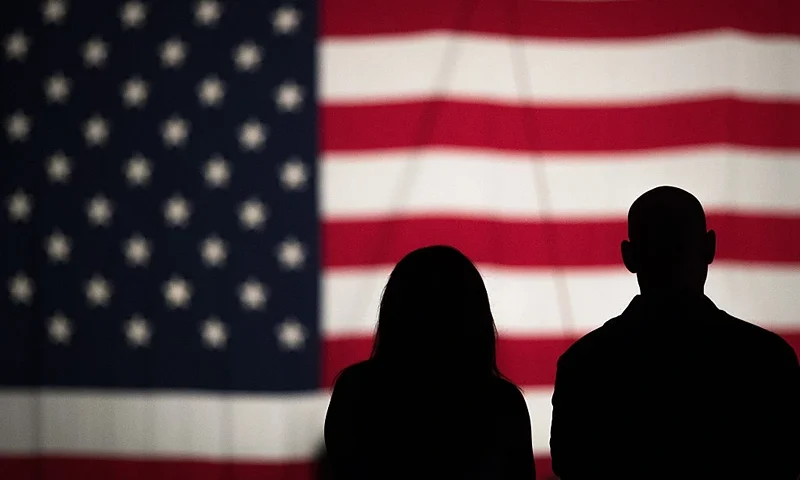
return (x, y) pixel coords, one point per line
(674, 387)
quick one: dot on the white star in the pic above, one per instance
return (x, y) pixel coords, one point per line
(135, 92)
(19, 205)
(95, 52)
(214, 333)
(99, 209)
(211, 91)
(217, 172)
(291, 254)
(137, 331)
(214, 251)
(247, 56)
(98, 291)
(58, 247)
(57, 88)
(253, 295)
(177, 211)
(291, 334)
(207, 12)
(59, 329)
(293, 174)
(252, 214)
(173, 52)
(285, 20)
(133, 14)
(137, 251)
(95, 130)
(177, 292)
(289, 96)
(174, 131)
(53, 11)
(18, 126)
(17, 45)
(59, 167)
(138, 170)
(252, 135)
(21, 288)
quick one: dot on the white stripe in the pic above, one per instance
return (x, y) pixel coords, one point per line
(526, 302)
(489, 67)
(267, 428)
(377, 184)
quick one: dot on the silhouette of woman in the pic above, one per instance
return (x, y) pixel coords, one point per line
(430, 402)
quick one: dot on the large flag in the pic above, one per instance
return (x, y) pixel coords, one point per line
(202, 200)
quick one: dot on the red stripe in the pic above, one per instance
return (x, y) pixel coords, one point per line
(88, 468)
(560, 128)
(528, 362)
(558, 19)
(543, 243)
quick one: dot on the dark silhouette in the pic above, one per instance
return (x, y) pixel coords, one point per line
(321, 468)
(674, 387)
(430, 402)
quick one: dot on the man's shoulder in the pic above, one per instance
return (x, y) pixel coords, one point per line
(745, 328)
(755, 338)
(728, 329)
(601, 338)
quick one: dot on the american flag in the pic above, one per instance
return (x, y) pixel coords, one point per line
(203, 200)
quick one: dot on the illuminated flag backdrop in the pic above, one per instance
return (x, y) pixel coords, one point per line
(202, 200)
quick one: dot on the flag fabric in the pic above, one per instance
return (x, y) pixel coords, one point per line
(203, 200)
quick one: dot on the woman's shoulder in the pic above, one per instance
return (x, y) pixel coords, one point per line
(354, 375)
(507, 393)
(504, 386)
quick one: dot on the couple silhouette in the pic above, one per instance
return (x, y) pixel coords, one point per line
(673, 387)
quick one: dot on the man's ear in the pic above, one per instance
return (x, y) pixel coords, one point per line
(629, 256)
(710, 246)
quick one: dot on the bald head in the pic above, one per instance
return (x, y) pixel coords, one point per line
(668, 240)
(666, 215)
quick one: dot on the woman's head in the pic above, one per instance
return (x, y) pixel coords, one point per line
(435, 315)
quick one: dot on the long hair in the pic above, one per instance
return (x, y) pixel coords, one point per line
(435, 317)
